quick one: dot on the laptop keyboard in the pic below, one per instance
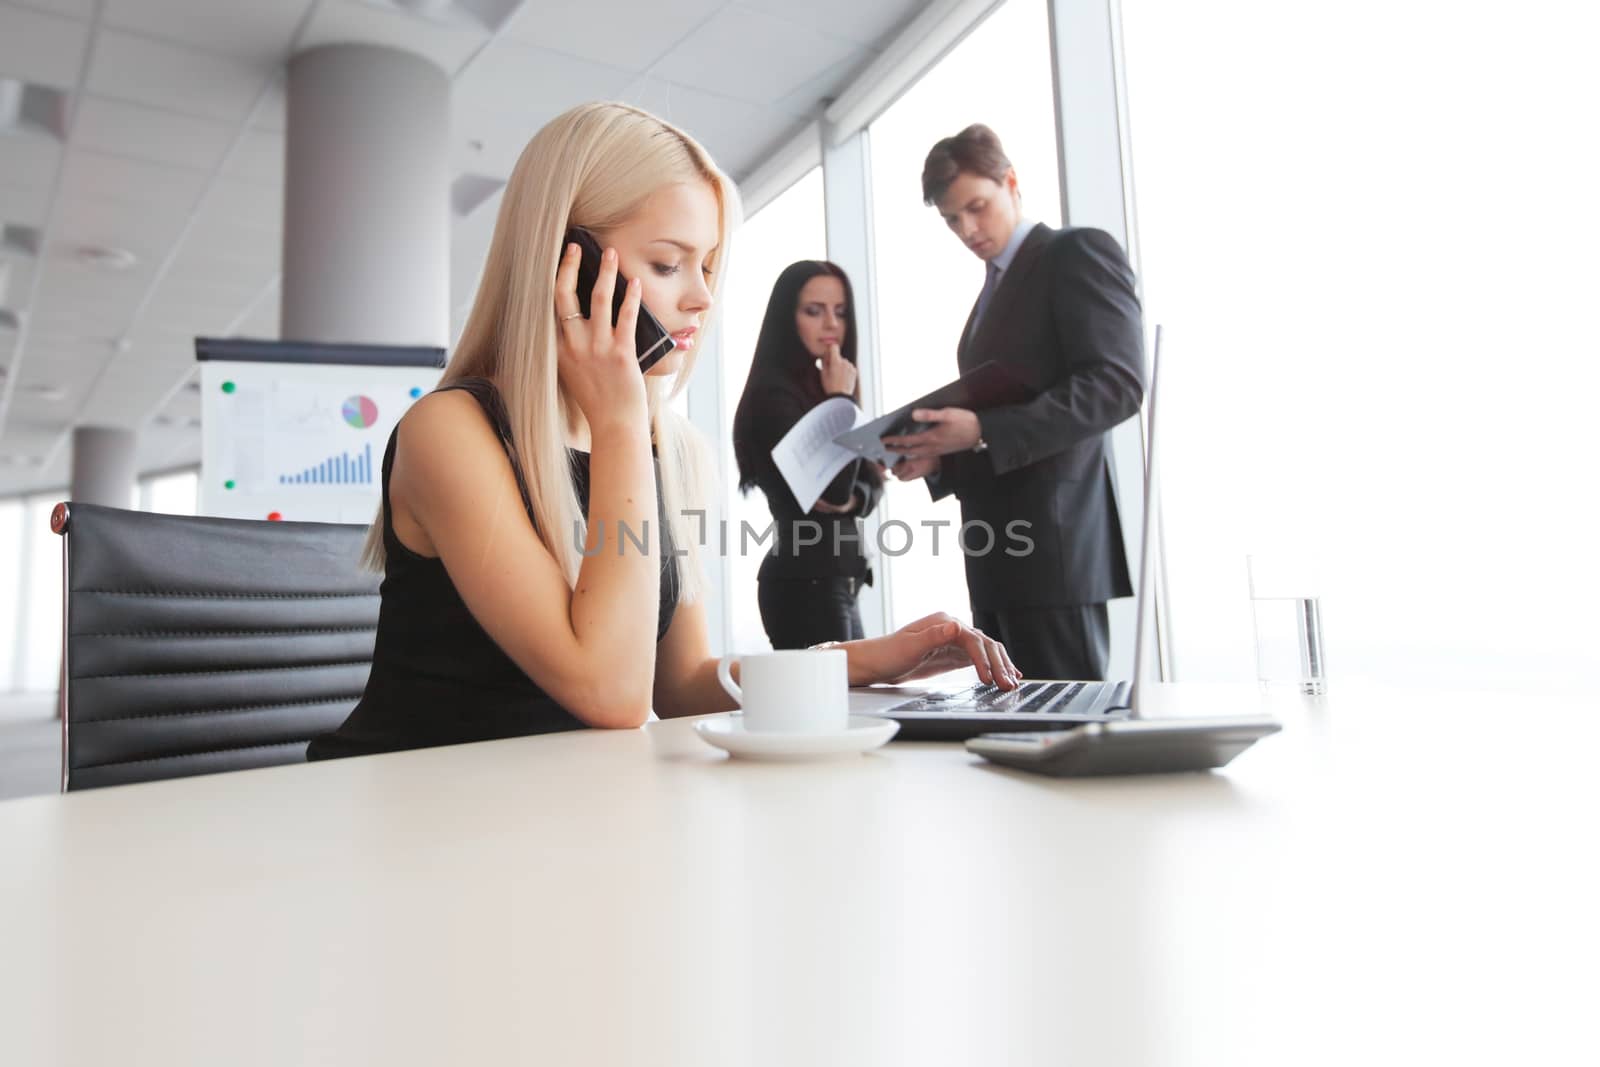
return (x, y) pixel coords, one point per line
(1031, 698)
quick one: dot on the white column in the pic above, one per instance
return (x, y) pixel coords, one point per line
(707, 413)
(366, 227)
(102, 466)
(1097, 191)
(847, 204)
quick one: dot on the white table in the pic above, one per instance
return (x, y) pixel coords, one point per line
(1397, 878)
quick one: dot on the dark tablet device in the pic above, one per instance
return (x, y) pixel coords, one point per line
(1127, 746)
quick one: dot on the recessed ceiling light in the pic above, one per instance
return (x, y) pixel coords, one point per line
(50, 393)
(19, 241)
(8, 320)
(32, 109)
(481, 14)
(102, 258)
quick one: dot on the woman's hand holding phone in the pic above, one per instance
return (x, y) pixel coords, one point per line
(596, 360)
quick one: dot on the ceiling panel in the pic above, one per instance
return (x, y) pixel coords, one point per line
(850, 20)
(162, 359)
(228, 298)
(16, 275)
(58, 317)
(153, 339)
(23, 444)
(752, 56)
(182, 403)
(28, 162)
(182, 318)
(258, 159)
(487, 142)
(124, 394)
(60, 361)
(49, 405)
(77, 301)
(215, 237)
(116, 127)
(173, 79)
(262, 322)
(249, 204)
(171, 76)
(96, 221)
(647, 34)
(147, 187)
(250, 29)
(194, 266)
(274, 110)
(810, 99)
(737, 134)
(347, 21)
(41, 48)
(532, 85)
(48, 399)
(23, 204)
(78, 9)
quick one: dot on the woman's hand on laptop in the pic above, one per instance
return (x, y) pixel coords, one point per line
(932, 645)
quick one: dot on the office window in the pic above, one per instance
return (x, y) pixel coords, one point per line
(1373, 261)
(787, 229)
(41, 637)
(30, 575)
(30, 594)
(926, 280)
(12, 618)
(177, 493)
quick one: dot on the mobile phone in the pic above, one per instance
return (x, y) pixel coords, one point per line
(650, 338)
(1127, 746)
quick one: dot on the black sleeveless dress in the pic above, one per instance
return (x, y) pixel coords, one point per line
(437, 677)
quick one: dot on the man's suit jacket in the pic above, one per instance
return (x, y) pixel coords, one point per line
(1065, 316)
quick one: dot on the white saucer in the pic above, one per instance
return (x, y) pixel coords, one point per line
(727, 732)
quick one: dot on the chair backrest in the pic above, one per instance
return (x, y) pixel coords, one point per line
(196, 645)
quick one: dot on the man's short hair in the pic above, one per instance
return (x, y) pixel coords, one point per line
(975, 150)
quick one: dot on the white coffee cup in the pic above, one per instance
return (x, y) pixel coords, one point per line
(799, 692)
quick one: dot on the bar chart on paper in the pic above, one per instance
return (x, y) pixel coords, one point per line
(300, 442)
(343, 469)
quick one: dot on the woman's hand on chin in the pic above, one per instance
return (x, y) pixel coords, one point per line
(932, 645)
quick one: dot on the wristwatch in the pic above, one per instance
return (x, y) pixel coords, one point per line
(981, 446)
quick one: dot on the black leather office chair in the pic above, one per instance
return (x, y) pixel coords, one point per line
(196, 645)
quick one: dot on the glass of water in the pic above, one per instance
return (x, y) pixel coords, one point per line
(1287, 607)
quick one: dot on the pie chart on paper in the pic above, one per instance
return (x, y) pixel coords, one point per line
(360, 412)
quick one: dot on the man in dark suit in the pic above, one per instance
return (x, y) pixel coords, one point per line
(1058, 308)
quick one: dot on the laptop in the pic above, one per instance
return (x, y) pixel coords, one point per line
(959, 714)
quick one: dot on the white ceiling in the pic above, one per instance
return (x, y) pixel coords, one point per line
(172, 88)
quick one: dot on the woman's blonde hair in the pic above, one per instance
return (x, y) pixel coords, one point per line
(593, 166)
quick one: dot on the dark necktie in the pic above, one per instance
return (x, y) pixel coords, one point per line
(990, 282)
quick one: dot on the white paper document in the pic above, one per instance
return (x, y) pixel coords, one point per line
(808, 458)
(836, 431)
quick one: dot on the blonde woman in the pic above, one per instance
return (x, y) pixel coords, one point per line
(518, 595)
